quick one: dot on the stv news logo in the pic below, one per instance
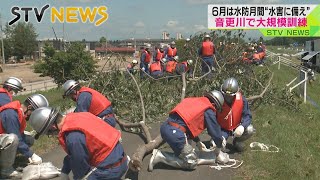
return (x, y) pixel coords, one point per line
(63, 14)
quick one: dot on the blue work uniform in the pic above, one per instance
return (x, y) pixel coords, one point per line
(245, 120)
(180, 68)
(4, 99)
(176, 137)
(78, 158)
(206, 59)
(83, 105)
(11, 125)
(169, 58)
(143, 64)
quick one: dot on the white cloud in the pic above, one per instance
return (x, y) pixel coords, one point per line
(139, 24)
(172, 23)
(198, 27)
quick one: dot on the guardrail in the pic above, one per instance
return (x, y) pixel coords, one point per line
(38, 86)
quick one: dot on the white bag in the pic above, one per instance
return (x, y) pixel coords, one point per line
(42, 171)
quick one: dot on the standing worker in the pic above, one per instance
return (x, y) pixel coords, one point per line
(188, 120)
(206, 52)
(159, 53)
(13, 121)
(171, 51)
(10, 88)
(89, 100)
(93, 147)
(145, 60)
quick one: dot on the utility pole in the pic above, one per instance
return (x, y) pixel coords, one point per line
(106, 44)
(3, 57)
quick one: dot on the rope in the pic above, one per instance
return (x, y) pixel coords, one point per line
(264, 147)
(233, 165)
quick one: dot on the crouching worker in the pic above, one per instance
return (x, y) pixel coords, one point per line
(131, 66)
(13, 118)
(188, 119)
(185, 67)
(89, 100)
(92, 154)
(235, 118)
(156, 69)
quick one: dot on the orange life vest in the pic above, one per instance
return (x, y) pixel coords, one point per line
(172, 52)
(207, 48)
(171, 66)
(3, 90)
(156, 66)
(256, 56)
(98, 102)
(148, 57)
(191, 110)
(261, 55)
(15, 105)
(230, 117)
(160, 55)
(101, 138)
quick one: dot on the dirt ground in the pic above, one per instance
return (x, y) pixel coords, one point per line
(132, 141)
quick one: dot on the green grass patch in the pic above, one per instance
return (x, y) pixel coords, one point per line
(295, 132)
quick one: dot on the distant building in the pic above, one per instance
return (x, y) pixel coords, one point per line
(179, 36)
(165, 35)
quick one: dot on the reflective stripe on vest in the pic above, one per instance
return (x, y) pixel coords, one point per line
(156, 66)
(160, 55)
(230, 118)
(101, 138)
(172, 52)
(207, 48)
(171, 66)
(98, 102)
(191, 110)
(3, 90)
(15, 105)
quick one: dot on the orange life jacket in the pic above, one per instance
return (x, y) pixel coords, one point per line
(15, 105)
(98, 102)
(172, 52)
(3, 90)
(160, 55)
(191, 110)
(101, 138)
(171, 66)
(156, 66)
(256, 56)
(207, 48)
(261, 55)
(230, 117)
(148, 57)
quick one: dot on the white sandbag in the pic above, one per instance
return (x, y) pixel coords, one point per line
(42, 171)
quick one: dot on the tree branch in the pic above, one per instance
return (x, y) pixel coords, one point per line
(251, 98)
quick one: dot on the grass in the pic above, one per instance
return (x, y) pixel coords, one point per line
(287, 50)
(295, 132)
(54, 96)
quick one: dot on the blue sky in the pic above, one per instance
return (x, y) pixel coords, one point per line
(132, 18)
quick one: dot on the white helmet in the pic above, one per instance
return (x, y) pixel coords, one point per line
(176, 58)
(189, 61)
(173, 43)
(42, 119)
(161, 46)
(148, 46)
(207, 36)
(69, 86)
(188, 39)
(134, 61)
(37, 101)
(163, 60)
(14, 83)
(216, 98)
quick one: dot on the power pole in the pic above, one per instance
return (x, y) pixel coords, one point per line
(106, 44)
(3, 57)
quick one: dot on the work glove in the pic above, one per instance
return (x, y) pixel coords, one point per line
(64, 176)
(213, 144)
(238, 131)
(201, 146)
(35, 159)
(31, 133)
(221, 157)
(143, 69)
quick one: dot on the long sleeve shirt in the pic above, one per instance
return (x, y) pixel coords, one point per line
(4, 99)
(10, 123)
(210, 120)
(246, 113)
(78, 156)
